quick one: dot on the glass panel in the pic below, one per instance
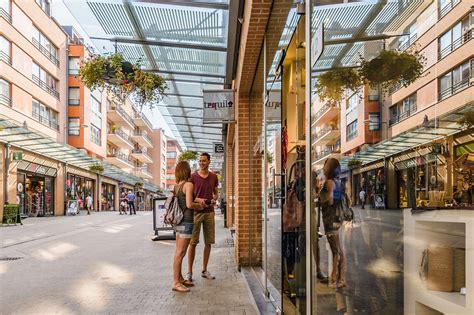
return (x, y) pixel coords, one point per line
(49, 196)
(74, 65)
(5, 5)
(4, 46)
(73, 126)
(4, 88)
(445, 41)
(20, 192)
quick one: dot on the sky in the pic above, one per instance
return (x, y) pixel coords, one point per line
(64, 17)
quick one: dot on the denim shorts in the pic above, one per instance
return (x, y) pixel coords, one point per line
(184, 229)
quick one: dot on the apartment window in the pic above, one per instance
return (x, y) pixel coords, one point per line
(74, 97)
(44, 80)
(455, 80)
(45, 6)
(374, 121)
(5, 10)
(407, 40)
(403, 109)
(352, 103)
(444, 6)
(5, 54)
(73, 126)
(44, 45)
(171, 155)
(95, 135)
(45, 115)
(351, 130)
(95, 105)
(458, 35)
(73, 65)
(5, 93)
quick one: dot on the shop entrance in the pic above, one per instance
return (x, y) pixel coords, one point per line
(108, 197)
(35, 194)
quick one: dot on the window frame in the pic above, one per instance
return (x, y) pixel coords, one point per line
(76, 130)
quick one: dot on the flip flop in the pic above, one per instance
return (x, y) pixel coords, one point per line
(187, 283)
(180, 288)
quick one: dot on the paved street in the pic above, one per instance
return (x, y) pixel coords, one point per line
(107, 264)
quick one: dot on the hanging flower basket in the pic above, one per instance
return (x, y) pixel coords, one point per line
(122, 79)
(467, 119)
(96, 168)
(354, 163)
(188, 156)
(392, 67)
(332, 84)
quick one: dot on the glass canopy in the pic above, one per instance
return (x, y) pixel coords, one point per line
(184, 41)
(20, 136)
(429, 131)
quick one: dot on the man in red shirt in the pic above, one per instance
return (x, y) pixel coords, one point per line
(206, 193)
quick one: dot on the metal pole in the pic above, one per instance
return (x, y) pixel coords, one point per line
(7, 171)
(265, 152)
(308, 154)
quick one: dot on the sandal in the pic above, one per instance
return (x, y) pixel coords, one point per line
(180, 288)
(187, 283)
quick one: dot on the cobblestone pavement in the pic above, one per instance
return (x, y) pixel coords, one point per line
(106, 264)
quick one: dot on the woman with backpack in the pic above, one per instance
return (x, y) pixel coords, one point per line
(330, 197)
(184, 192)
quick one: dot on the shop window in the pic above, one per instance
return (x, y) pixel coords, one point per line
(74, 97)
(95, 135)
(5, 54)
(351, 131)
(73, 126)
(73, 65)
(5, 93)
(374, 121)
(455, 80)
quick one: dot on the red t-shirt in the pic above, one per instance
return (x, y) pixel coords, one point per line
(204, 187)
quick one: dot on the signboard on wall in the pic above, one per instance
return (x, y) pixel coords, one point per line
(219, 106)
(317, 44)
(17, 156)
(218, 148)
(273, 106)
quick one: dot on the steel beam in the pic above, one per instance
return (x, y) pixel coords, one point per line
(204, 75)
(193, 81)
(192, 4)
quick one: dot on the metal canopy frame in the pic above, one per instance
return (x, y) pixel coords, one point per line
(185, 41)
(35, 142)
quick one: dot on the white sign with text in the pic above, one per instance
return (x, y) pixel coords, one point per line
(219, 106)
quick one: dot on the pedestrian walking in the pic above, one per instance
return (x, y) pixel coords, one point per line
(331, 200)
(89, 204)
(362, 198)
(131, 202)
(206, 193)
(123, 203)
(184, 191)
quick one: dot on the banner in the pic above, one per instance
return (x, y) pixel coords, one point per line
(219, 106)
(273, 106)
(218, 148)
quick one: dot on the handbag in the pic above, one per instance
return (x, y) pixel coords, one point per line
(174, 214)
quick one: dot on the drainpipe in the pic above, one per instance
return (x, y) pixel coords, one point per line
(7, 171)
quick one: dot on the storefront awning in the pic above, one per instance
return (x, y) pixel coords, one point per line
(434, 129)
(22, 137)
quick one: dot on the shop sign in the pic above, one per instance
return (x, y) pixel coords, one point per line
(17, 156)
(219, 106)
(317, 44)
(218, 148)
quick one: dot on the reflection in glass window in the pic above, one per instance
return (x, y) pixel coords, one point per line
(73, 126)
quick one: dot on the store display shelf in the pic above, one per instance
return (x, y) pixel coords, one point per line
(445, 229)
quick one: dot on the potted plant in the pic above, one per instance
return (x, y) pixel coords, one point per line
(392, 67)
(354, 163)
(188, 156)
(269, 158)
(332, 84)
(98, 168)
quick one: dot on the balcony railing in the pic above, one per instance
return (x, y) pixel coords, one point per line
(447, 7)
(121, 156)
(393, 88)
(45, 86)
(142, 134)
(398, 118)
(141, 151)
(323, 109)
(336, 148)
(46, 121)
(72, 101)
(411, 40)
(122, 113)
(5, 100)
(324, 131)
(4, 14)
(456, 44)
(45, 51)
(454, 89)
(5, 57)
(119, 132)
(138, 115)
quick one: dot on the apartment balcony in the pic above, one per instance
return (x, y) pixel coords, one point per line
(142, 139)
(45, 52)
(119, 116)
(6, 58)
(120, 139)
(4, 14)
(448, 6)
(142, 155)
(5, 100)
(45, 86)
(141, 121)
(329, 152)
(120, 160)
(328, 112)
(466, 37)
(143, 172)
(326, 135)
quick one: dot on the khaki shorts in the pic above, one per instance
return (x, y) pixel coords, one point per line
(208, 227)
